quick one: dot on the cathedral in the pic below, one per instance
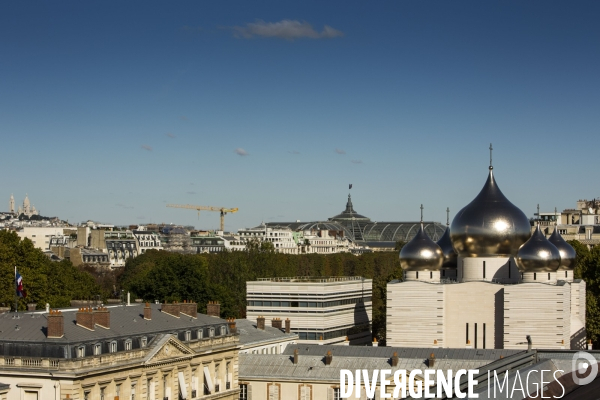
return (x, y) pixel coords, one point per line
(488, 283)
(27, 209)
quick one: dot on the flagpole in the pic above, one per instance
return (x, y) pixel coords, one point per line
(16, 295)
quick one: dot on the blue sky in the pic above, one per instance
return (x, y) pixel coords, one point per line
(111, 110)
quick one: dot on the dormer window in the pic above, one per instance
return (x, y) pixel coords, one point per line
(200, 333)
(144, 341)
(81, 351)
(113, 347)
(223, 330)
(97, 349)
(128, 345)
(211, 332)
(188, 336)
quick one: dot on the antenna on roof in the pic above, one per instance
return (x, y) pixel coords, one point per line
(447, 216)
(538, 218)
(491, 149)
(421, 213)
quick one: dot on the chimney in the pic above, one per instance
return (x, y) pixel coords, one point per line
(529, 343)
(147, 312)
(231, 323)
(102, 317)
(85, 318)
(260, 323)
(296, 356)
(431, 361)
(328, 358)
(375, 344)
(288, 325)
(31, 306)
(172, 309)
(213, 309)
(56, 325)
(276, 323)
(395, 359)
(189, 308)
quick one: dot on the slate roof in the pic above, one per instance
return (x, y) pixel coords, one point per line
(311, 364)
(125, 321)
(249, 334)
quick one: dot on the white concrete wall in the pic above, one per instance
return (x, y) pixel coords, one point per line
(496, 269)
(415, 314)
(40, 236)
(540, 310)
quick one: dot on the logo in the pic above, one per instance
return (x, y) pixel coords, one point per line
(580, 364)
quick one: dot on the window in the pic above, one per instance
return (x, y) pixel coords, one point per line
(97, 349)
(113, 347)
(475, 334)
(102, 392)
(336, 394)
(223, 330)
(305, 392)
(244, 392)
(128, 345)
(211, 332)
(217, 380)
(188, 335)
(144, 341)
(467, 339)
(200, 333)
(86, 395)
(227, 380)
(484, 270)
(118, 389)
(81, 351)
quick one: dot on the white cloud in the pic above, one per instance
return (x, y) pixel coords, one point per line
(285, 29)
(356, 161)
(171, 135)
(146, 147)
(340, 151)
(241, 152)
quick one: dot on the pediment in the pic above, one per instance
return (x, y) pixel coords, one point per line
(166, 349)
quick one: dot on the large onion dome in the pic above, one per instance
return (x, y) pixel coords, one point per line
(490, 225)
(538, 254)
(421, 254)
(567, 252)
(450, 256)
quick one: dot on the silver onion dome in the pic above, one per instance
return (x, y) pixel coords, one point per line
(421, 254)
(490, 225)
(538, 254)
(567, 252)
(450, 256)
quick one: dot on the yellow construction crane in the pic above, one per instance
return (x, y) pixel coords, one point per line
(222, 210)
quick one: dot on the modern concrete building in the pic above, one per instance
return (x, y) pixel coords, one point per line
(40, 235)
(488, 284)
(148, 352)
(320, 309)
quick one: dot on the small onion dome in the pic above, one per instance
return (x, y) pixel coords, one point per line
(538, 254)
(490, 225)
(567, 252)
(421, 254)
(450, 256)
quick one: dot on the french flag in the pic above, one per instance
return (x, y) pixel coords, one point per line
(20, 290)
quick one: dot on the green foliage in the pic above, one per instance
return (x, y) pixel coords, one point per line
(43, 280)
(160, 275)
(588, 269)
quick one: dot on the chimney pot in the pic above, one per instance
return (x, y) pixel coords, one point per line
(213, 309)
(260, 323)
(395, 359)
(296, 356)
(102, 317)
(172, 309)
(431, 360)
(288, 325)
(85, 319)
(328, 358)
(56, 325)
(147, 312)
